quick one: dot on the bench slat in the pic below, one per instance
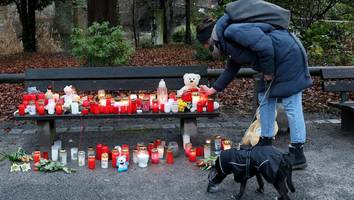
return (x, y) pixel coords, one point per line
(106, 116)
(110, 84)
(338, 73)
(339, 86)
(345, 105)
(119, 72)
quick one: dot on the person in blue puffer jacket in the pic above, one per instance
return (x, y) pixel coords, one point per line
(279, 56)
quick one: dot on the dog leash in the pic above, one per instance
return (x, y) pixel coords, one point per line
(266, 94)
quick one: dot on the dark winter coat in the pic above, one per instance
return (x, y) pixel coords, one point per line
(271, 50)
(266, 159)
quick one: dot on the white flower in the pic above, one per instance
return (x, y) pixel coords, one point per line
(201, 10)
(15, 168)
(26, 167)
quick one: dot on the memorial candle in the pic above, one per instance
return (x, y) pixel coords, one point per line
(58, 109)
(210, 106)
(41, 110)
(36, 156)
(199, 151)
(150, 147)
(155, 156)
(104, 160)
(21, 109)
(98, 151)
(81, 158)
(91, 162)
(63, 156)
(157, 143)
(187, 149)
(125, 152)
(85, 111)
(105, 149)
(155, 106)
(160, 149)
(115, 154)
(192, 155)
(45, 155)
(169, 156)
(200, 106)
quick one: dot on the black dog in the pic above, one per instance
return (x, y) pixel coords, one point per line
(266, 161)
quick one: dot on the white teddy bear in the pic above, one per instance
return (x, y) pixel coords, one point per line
(190, 81)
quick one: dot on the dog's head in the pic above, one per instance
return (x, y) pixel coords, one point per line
(215, 177)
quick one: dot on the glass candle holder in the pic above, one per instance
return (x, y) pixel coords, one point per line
(217, 144)
(125, 152)
(104, 160)
(115, 154)
(91, 162)
(45, 155)
(63, 156)
(169, 156)
(155, 156)
(55, 152)
(174, 107)
(58, 109)
(187, 149)
(146, 104)
(36, 156)
(73, 153)
(161, 149)
(167, 107)
(199, 151)
(21, 109)
(150, 147)
(157, 142)
(143, 158)
(81, 158)
(155, 106)
(192, 155)
(31, 108)
(210, 106)
(51, 108)
(101, 94)
(186, 139)
(90, 151)
(41, 110)
(98, 151)
(75, 108)
(174, 148)
(135, 156)
(207, 150)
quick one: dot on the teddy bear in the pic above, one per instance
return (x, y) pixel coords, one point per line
(122, 164)
(191, 82)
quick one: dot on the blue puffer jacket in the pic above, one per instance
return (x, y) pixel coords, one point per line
(270, 50)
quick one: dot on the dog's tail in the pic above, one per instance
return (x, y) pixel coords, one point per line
(289, 172)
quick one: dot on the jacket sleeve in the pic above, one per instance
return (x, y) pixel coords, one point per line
(227, 76)
(256, 40)
(220, 26)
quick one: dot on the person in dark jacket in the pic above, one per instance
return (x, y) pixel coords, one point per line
(279, 56)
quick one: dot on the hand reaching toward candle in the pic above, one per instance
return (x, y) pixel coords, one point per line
(209, 91)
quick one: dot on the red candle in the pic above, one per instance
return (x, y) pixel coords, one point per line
(162, 107)
(21, 109)
(41, 110)
(150, 147)
(90, 98)
(108, 109)
(115, 110)
(91, 162)
(86, 103)
(155, 156)
(25, 103)
(59, 109)
(210, 106)
(125, 146)
(157, 143)
(172, 95)
(203, 98)
(41, 96)
(187, 149)
(200, 106)
(192, 155)
(26, 97)
(102, 109)
(36, 156)
(32, 97)
(199, 151)
(124, 109)
(169, 156)
(98, 151)
(155, 106)
(94, 108)
(85, 111)
(115, 154)
(105, 149)
(108, 102)
(125, 152)
(45, 155)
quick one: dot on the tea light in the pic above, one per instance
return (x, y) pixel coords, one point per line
(187, 149)
(63, 157)
(104, 160)
(115, 154)
(91, 162)
(169, 156)
(73, 153)
(155, 156)
(36, 156)
(160, 149)
(81, 158)
(143, 158)
(192, 155)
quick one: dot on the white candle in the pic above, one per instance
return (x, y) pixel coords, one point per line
(186, 139)
(73, 153)
(55, 152)
(160, 149)
(74, 108)
(167, 107)
(51, 108)
(81, 158)
(143, 159)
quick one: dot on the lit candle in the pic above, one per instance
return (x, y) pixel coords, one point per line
(21, 109)
(169, 156)
(41, 110)
(81, 158)
(63, 156)
(187, 149)
(155, 156)
(199, 151)
(98, 151)
(155, 106)
(146, 104)
(200, 106)
(192, 155)
(105, 149)
(160, 149)
(210, 106)
(104, 160)
(133, 106)
(115, 154)
(58, 109)
(91, 162)
(73, 153)
(36, 156)
(143, 158)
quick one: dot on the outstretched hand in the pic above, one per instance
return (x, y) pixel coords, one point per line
(207, 90)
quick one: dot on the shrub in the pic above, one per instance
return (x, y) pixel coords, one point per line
(101, 44)
(47, 39)
(179, 33)
(202, 54)
(9, 42)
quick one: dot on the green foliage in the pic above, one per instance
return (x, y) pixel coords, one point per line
(202, 53)
(101, 44)
(178, 34)
(329, 43)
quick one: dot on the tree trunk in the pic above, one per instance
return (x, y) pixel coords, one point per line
(188, 35)
(134, 25)
(165, 36)
(27, 12)
(102, 10)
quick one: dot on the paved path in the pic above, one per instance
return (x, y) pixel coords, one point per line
(330, 174)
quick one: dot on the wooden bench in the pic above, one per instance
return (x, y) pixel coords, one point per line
(112, 79)
(341, 80)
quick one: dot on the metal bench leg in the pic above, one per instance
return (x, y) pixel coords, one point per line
(347, 120)
(46, 131)
(188, 128)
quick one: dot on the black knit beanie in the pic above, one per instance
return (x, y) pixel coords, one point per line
(205, 29)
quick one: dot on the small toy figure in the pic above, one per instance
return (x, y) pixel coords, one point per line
(191, 82)
(122, 164)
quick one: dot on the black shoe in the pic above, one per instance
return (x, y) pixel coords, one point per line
(264, 141)
(297, 156)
